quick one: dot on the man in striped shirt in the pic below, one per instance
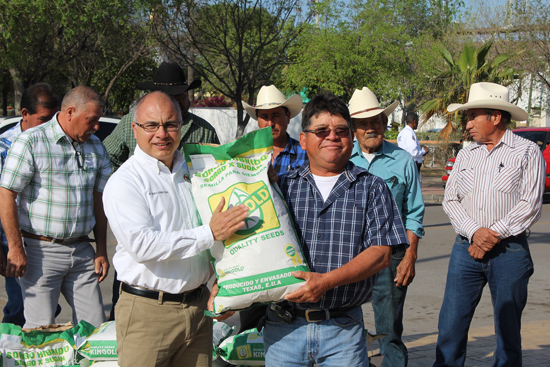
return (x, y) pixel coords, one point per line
(493, 196)
(58, 171)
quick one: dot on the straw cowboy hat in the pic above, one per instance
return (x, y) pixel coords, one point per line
(170, 79)
(270, 97)
(490, 95)
(363, 104)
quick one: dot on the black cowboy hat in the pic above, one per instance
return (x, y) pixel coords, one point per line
(170, 79)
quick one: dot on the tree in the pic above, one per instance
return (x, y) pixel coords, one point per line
(452, 85)
(387, 45)
(236, 46)
(69, 42)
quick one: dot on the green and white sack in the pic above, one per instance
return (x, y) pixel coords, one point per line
(255, 264)
(245, 349)
(39, 347)
(101, 345)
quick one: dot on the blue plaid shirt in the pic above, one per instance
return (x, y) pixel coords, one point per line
(291, 158)
(360, 212)
(5, 143)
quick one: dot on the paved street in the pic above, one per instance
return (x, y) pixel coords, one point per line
(425, 294)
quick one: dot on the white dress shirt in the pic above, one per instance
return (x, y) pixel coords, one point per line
(499, 189)
(407, 140)
(152, 213)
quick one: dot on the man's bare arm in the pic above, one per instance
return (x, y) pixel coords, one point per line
(364, 265)
(405, 269)
(101, 260)
(17, 258)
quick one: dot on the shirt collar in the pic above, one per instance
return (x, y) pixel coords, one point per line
(384, 150)
(507, 138)
(57, 130)
(157, 165)
(290, 146)
(351, 171)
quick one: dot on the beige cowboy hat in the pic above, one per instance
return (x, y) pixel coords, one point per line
(270, 97)
(363, 104)
(490, 95)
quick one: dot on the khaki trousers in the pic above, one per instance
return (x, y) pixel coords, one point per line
(153, 333)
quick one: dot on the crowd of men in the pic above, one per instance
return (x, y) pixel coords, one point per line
(355, 199)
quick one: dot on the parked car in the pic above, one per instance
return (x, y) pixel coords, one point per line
(538, 135)
(106, 125)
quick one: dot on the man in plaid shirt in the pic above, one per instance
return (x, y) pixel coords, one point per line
(169, 78)
(58, 171)
(347, 222)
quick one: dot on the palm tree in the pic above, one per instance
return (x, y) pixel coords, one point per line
(453, 84)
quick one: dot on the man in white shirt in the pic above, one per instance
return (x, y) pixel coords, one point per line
(407, 140)
(161, 256)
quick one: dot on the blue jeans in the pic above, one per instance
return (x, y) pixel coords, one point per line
(332, 343)
(507, 268)
(387, 302)
(13, 311)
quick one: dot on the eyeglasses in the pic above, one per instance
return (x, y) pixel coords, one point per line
(168, 127)
(323, 132)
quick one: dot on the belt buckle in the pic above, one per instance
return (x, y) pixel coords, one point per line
(309, 310)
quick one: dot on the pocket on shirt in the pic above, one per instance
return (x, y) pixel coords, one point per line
(507, 180)
(465, 181)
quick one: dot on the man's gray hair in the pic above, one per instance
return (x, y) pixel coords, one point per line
(134, 109)
(80, 96)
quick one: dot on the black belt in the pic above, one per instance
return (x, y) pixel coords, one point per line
(317, 314)
(55, 240)
(185, 297)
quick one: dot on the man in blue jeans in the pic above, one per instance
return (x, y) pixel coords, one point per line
(347, 222)
(493, 196)
(39, 103)
(397, 168)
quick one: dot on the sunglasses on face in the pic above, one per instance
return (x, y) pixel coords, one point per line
(323, 132)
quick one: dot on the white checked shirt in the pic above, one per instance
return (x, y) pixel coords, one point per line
(151, 211)
(501, 189)
(407, 140)
(55, 180)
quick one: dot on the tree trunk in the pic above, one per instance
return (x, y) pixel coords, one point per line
(18, 89)
(242, 120)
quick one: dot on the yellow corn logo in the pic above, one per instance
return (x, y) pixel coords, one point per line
(256, 196)
(291, 252)
(244, 352)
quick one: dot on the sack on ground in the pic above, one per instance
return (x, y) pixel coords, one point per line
(40, 347)
(244, 349)
(101, 345)
(254, 265)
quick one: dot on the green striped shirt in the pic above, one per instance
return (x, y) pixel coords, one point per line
(55, 180)
(120, 144)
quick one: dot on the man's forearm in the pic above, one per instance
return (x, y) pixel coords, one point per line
(412, 250)
(10, 218)
(364, 265)
(100, 228)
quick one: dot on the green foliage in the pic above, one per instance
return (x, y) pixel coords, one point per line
(235, 46)
(385, 45)
(452, 85)
(70, 42)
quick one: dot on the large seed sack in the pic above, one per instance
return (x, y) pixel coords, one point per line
(254, 265)
(101, 345)
(245, 349)
(41, 348)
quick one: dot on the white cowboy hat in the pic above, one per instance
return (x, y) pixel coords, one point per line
(490, 95)
(270, 97)
(363, 104)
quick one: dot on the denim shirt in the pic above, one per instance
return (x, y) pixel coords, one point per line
(396, 166)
